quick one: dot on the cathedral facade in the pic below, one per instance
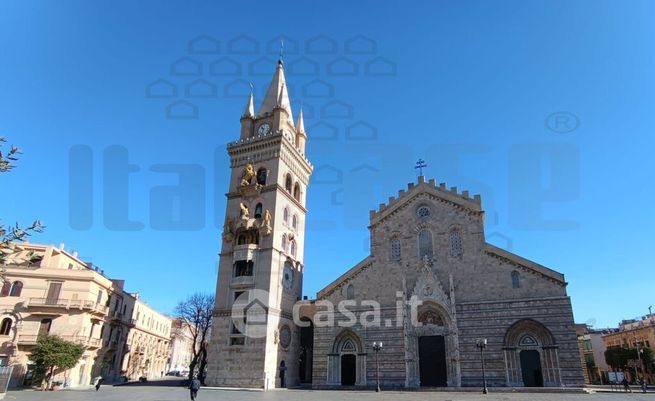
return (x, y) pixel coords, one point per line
(432, 290)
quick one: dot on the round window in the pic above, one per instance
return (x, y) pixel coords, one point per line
(423, 212)
(285, 336)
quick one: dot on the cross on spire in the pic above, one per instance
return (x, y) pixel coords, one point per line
(281, 50)
(420, 164)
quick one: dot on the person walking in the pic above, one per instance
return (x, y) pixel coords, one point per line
(626, 385)
(643, 384)
(97, 382)
(194, 386)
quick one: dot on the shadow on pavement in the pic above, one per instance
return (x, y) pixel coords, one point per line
(164, 382)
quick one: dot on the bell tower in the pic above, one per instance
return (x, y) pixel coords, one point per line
(254, 342)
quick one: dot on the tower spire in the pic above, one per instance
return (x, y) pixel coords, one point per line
(300, 124)
(276, 95)
(249, 111)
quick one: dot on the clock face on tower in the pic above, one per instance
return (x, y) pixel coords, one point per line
(263, 129)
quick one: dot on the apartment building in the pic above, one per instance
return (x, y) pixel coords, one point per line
(638, 334)
(181, 352)
(48, 290)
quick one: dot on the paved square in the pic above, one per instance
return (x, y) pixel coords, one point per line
(157, 391)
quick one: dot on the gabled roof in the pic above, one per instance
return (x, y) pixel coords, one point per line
(351, 273)
(524, 263)
(440, 193)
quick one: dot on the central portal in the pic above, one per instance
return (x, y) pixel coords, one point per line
(531, 368)
(432, 361)
(348, 370)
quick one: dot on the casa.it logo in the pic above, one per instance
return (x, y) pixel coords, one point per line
(250, 314)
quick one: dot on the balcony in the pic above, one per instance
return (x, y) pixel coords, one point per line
(245, 251)
(242, 281)
(50, 304)
(31, 339)
(27, 339)
(116, 315)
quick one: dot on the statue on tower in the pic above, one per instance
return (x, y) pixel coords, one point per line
(245, 214)
(266, 223)
(247, 175)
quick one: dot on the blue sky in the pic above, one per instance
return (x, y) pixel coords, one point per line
(543, 107)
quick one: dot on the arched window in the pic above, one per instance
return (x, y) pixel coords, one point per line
(292, 248)
(285, 216)
(296, 191)
(516, 280)
(258, 211)
(284, 242)
(16, 289)
(425, 244)
(241, 239)
(455, 243)
(294, 222)
(5, 328)
(261, 176)
(395, 249)
(350, 292)
(287, 183)
(6, 288)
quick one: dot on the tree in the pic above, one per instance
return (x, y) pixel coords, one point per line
(619, 357)
(53, 354)
(196, 315)
(10, 234)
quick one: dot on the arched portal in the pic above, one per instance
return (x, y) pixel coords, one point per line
(531, 355)
(346, 362)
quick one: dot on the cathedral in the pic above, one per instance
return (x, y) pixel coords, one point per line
(431, 302)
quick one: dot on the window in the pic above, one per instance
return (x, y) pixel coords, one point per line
(455, 243)
(6, 288)
(241, 239)
(423, 212)
(395, 249)
(294, 222)
(258, 211)
(296, 192)
(243, 268)
(5, 328)
(261, 176)
(287, 183)
(516, 280)
(292, 248)
(284, 242)
(425, 244)
(350, 292)
(285, 216)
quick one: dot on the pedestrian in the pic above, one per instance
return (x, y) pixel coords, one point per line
(626, 386)
(194, 386)
(97, 382)
(643, 384)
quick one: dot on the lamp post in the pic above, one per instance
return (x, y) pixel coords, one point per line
(481, 344)
(377, 347)
(638, 359)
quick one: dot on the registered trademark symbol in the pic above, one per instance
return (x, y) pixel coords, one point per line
(562, 122)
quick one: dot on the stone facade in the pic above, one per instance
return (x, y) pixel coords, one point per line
(261, 261)
(429, 243)
(428, 250)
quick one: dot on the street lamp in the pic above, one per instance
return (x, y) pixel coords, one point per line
(377, 347)
(481, 344)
